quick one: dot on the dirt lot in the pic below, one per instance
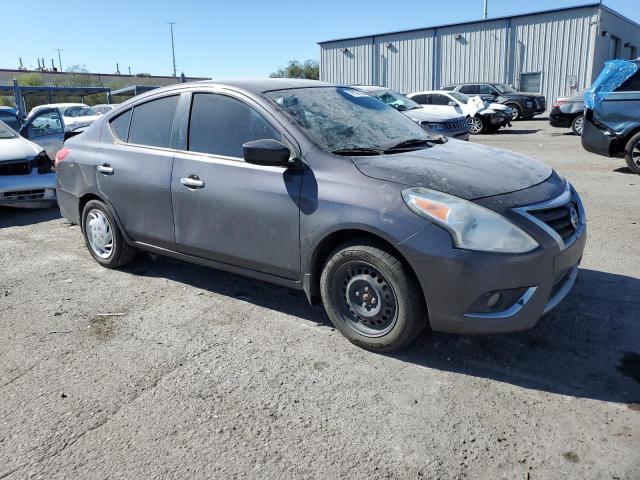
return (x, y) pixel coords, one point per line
(202, 374)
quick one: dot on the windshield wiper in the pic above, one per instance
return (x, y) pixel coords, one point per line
(356, 151)
(414, 142)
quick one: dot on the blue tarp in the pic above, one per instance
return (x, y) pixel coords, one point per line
(614, 74)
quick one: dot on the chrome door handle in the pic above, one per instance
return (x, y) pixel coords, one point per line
(106, 169)
(192, 182)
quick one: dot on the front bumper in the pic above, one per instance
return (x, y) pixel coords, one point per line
(453, 280)
(28, 191)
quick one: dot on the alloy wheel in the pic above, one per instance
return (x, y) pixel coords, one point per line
(99, 233)
(365, 299)
(635, 154)
(579, 125)
(475, 124)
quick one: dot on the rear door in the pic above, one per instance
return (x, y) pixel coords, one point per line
(46, 129)
(228, 210)
(134, 169)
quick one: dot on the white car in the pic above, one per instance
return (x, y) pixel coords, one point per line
(482, 117)
(26, 176)
(73, 114)
(105, 107)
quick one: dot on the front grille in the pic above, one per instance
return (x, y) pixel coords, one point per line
(448, 126)
(23, 195)
(17, 167)
(559, 219)
(562, 217)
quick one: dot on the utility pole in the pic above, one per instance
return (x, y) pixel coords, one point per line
(486, 9)
(173, 50)
(59, 58)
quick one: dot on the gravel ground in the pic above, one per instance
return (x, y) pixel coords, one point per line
(196, 373)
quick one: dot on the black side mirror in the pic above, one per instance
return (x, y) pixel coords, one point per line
(266, 152)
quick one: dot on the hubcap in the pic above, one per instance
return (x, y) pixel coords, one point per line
(579, 124)
(99, 233)
(365, 300)
(635, 154)
(515, 113)
(475, 124)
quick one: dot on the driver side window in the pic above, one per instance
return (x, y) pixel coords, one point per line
(437, 99)
(486, 90)
(47, 123)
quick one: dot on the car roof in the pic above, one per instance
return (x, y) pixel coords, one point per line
(370, 88)
(446, 92)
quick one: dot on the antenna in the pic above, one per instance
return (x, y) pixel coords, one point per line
(173, 50)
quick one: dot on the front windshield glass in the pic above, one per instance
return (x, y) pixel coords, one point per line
(395, 100)
(503, 88)
(6, 131)
(80, 112)
(343, 120)
(461, 97)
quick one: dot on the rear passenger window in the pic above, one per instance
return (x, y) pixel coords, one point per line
(421, 99)
(631, 84)
(152, 121)
(120, 126)
(437, 99)
(470, 89)
(220, 125)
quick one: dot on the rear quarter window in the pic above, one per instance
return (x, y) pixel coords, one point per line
(632, 84)
(151, 122)
(120, 126)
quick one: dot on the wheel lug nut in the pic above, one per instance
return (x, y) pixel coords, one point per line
(373, 300)
(366, 289)
(357, 294)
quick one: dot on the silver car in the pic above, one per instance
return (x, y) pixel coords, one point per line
(26, 177)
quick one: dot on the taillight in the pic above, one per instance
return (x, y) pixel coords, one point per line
(62, 153)
(558, 103)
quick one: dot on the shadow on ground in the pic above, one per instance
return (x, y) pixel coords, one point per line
(587, 347)
(516, 131)
(18, 217)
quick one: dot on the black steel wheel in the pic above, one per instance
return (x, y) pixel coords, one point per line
(632, 153)
(372, 297)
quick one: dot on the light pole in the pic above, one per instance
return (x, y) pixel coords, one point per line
(173, 50)
(59, 58)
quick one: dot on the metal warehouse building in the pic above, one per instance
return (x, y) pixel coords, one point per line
(554, 52)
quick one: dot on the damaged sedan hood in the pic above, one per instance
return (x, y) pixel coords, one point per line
(463, 169)
(17, 148)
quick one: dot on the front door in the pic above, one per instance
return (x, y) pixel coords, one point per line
(46, 129)
(228, 210)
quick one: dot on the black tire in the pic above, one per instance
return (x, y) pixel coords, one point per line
(120, 253)
(394, 320)
(516, 111)
(577, 124)
(632, 153)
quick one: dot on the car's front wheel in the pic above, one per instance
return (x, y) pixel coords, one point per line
(372, 297)
(516, 113)
(103, 237)
(577, 125)
(632, 153)
(476, 124)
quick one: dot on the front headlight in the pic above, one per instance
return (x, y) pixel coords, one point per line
(471, 226)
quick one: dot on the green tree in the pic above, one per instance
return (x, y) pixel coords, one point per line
(294, 69)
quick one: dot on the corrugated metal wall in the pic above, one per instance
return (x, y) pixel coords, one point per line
(559, 44)
(479, 54)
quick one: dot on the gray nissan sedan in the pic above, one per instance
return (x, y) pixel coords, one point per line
(326, 189)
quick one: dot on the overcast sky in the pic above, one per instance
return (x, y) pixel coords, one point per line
(224, 39)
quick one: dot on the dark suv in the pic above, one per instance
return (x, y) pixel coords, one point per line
(523, 105)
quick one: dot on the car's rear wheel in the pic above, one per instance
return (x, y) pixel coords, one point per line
(632, 153)
(372, 297)
(516, 113)
(103, 237)
(476, 125)
(577, 125)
